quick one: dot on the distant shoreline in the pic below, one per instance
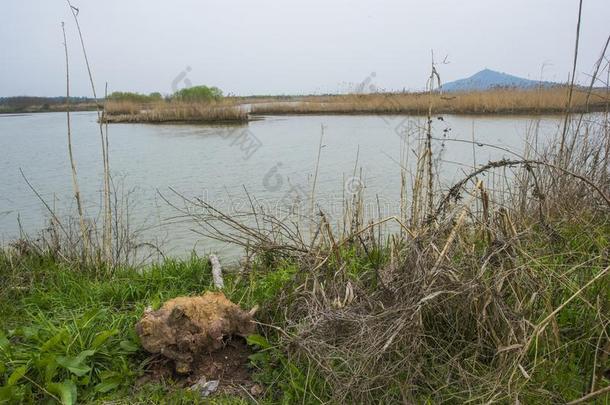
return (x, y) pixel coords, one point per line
(237, 110)
(41, 109)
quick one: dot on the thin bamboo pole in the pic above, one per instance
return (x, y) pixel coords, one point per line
(76, 189)
(107, 227)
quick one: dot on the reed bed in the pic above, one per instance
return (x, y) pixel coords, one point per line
(173, 111)
(498, 101)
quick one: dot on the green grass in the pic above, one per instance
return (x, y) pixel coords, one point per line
(67, 335)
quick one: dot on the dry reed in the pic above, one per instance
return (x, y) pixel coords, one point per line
(107, 210)
(75, 186)
(498, 101)
(173, 111)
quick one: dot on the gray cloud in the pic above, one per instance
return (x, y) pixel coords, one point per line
(275, 47)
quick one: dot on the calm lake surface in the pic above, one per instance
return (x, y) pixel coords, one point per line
(273, 158)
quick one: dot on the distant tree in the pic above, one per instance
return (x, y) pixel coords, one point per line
(198, 93)
(134, 97)
(156, 96)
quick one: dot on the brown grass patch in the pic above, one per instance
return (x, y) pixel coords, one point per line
(500, 101)
(173, 111)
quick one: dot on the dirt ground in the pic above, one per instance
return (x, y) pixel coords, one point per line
(228, 365)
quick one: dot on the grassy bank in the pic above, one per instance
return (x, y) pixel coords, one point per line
(499, 101)
(67, 333)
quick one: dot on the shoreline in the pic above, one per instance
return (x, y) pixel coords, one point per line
(259, 115)
(418, 113)
(49, 110)
(241, 110)
(132, 120)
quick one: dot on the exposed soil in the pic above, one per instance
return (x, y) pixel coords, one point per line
(229, 365)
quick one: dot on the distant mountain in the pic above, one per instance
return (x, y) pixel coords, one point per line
(488, 79)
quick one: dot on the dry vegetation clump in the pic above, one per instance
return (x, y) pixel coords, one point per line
(62, 239)
(498, 101)
(173, 111)
(489, 304)
(122, 107)
(480, 300)
(187, 328)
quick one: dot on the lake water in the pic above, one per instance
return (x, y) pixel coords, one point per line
(274, 158)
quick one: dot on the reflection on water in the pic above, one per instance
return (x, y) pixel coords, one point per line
(273, 158)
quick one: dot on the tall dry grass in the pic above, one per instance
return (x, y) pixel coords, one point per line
(173, 111)
(498, 101)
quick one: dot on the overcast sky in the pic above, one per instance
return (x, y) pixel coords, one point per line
(290, 47)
